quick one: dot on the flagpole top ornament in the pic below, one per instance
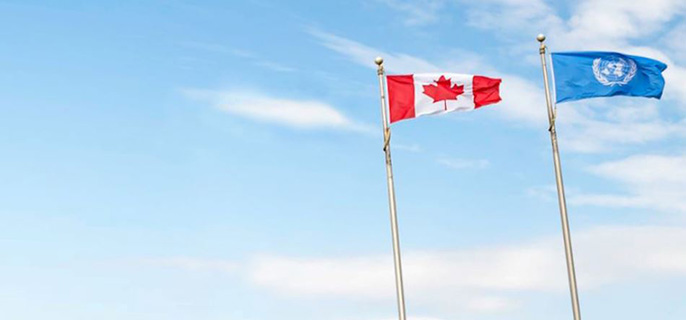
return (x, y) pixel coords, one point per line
(378, 61)
(540, 37)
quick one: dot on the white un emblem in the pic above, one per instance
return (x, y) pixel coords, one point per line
(614, 70)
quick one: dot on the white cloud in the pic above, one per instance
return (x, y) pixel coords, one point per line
(653, 181)
(591, 127)
(426, 274)
(645, 169)
(606, 200)
(363, 277)
(485, 275)
(673, 40)
(395, 318)
(300, 114)
(499, 14)
(616, 21)
(509, 15)
(417, 13)
(600, 24)
(193, 264)
(365, 55)
(490, 303)
(274, 66)
(254, 58)
(675, 77)
(218, 48)
(407, 147)
(545, 193)
(482, 279)
(460, 164)
(523, 100)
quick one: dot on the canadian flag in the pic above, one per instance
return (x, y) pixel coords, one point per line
(415, 95)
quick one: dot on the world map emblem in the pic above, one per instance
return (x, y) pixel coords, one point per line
(614, 71)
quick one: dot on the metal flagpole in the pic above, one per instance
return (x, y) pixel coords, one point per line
(552, 114)
(400, 292)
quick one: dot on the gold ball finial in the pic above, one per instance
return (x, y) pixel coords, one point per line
(378, 61)
(540, 37)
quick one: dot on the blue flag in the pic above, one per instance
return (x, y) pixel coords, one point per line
(581, 75)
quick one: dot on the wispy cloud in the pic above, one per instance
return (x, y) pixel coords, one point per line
(413, 318)
(364, 55)
(505, 16)
(193, 264)
(275, 66)
(370, 278)
(595, 127)
(652, 181)
(545, 193)
(490, 278)
(536, 266)
(407, 147)
(605, 255)
(607, 21)
(460, 164)
(673, 40)
(299, 114)
(594, 23)
(218, 48)
(254, 58)
(417, 13)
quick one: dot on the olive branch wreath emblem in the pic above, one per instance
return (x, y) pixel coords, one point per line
(603, 79)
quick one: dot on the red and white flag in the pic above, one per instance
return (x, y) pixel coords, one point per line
(415, 95)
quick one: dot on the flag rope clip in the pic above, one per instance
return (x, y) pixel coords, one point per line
(386, 138)
(552, 121)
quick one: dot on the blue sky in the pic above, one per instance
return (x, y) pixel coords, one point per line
(222, 160)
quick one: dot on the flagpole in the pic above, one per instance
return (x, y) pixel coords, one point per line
(560, 186)
(400, 292)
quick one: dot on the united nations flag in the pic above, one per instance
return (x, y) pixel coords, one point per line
(581, 75)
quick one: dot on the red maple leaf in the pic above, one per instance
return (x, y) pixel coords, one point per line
(442, 91)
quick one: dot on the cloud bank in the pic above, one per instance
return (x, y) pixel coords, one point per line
(297, 114)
